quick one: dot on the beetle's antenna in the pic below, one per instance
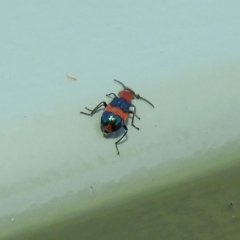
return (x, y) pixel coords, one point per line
(121, 83)
(144, 99)
(135, 95)
(127, 88)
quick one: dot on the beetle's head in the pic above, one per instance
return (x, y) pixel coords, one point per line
(110, 123)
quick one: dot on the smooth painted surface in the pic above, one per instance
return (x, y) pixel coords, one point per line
(182, 56)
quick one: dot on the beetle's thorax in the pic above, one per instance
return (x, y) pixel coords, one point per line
(126, 95)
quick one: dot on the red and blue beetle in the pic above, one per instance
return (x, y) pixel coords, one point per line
(116, 113)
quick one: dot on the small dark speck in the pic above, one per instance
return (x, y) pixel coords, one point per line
(231, 204)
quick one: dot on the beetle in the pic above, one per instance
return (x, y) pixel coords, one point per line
(116, 113)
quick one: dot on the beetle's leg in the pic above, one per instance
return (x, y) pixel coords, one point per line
(88, 109)
(135, 111)
(133, 119)
(116, 143)
(108, 95)
(95, 109)
(120, 83)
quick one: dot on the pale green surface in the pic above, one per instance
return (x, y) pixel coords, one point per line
(193, 207)
(183, 56)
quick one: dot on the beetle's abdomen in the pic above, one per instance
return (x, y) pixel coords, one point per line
(119, 107)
